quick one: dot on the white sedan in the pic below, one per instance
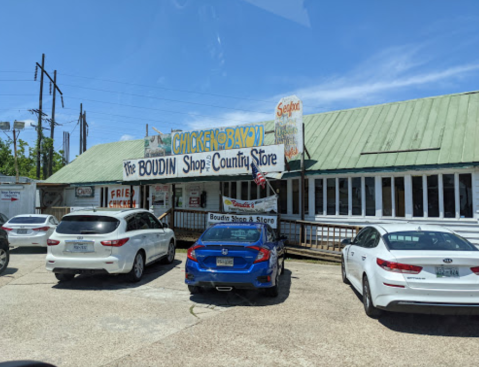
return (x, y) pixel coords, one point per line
(411, 268)
(30, 230)
(108, 242)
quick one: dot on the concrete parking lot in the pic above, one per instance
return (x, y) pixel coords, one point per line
(316, 320)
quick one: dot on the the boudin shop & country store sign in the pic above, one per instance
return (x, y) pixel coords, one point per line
(269, 158)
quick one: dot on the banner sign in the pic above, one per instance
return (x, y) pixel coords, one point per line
(85, 192)
(223, 138)
(119, 197)
(288, 126)
(266, 205)
(269, 158)
(157, 145)
(272, 220)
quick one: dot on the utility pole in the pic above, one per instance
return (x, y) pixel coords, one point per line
(85, 125)
(81, 128)
(52, 135)
(39, 127)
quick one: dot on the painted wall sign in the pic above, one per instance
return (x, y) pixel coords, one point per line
(223, 138)
(157, 145)
(251, 218)
(269, 158)
(266, 205)
(9, 195)
(119, 197)
(288, 126)
(85, 191)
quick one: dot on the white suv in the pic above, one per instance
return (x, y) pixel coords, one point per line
(108, 242)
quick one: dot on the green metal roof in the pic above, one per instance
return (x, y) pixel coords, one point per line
(434, 131)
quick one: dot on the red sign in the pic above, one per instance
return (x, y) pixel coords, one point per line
(194, 202)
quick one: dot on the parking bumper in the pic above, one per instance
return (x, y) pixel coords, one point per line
(110, 265)
(244, 279)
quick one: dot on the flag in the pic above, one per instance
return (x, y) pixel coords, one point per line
(258, 177)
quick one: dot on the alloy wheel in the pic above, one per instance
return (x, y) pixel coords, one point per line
(3, 258)
(139, 265)
(171, 252)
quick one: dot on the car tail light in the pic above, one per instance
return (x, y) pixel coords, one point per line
(115, 243)
(7, 229)
(192, 252)
(475, 270)
(41, 229)
(52, 242)
(263, 254)
(398, 267)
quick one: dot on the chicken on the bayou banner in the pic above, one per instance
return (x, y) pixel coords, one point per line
(266, 205)
(269, 158)
(288, 126)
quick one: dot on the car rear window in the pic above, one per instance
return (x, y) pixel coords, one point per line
(428, 241)
(87, 224)
(27, 220)
(225, 234)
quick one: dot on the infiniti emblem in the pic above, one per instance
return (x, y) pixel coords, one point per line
(447, 261)
(224, 251)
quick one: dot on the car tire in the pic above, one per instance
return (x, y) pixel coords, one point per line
(170, 257)
(343, 272)
(138, 268)
(62, 277)
(4, 258)
(273, 291)
(282, 265)
(195, 289)
(369, 308)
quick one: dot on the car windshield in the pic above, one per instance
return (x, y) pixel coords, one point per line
(232, 234)
(27, 220)
(91, 224)
(428, 241)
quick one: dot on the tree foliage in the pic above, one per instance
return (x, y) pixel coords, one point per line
(26, 157)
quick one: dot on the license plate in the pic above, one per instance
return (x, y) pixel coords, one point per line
(81, 247)
(224, 261)
(21, 231)
(447, 272)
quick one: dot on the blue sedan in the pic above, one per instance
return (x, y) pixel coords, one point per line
(231, 256)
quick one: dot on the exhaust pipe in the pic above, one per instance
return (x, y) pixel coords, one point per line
(224, 289)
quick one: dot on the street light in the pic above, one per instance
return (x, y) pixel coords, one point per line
(17, 127)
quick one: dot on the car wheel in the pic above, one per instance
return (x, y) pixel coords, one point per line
(64, 277)
(136, 272)
(273, 291)
(371, 311)
(194, 289)
(343, 272)
(171, 253)
(4, 259)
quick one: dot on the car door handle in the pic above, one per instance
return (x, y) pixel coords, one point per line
(352, 253)
(363, 257)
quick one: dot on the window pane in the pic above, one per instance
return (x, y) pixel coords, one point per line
(295, 196)
(233, 190)
(244, 190)
(449, 196)
(331, 196)
(356, 193)
(370, 191)
(417, 197)
(433, 196)
(343, 196)
(399, 196)
(254, 191)
(226, 189)
(465, 195)
(306, 196)
(318, 196)
(387, 204)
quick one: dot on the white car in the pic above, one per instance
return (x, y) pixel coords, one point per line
(30, 230)
(108, 242)
(411, 268)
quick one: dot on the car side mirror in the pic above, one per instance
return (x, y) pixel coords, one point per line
(346, 241)
(165, 225)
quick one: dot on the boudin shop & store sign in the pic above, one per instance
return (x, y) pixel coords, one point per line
(269, 158)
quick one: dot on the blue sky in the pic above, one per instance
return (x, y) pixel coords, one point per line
(199, 63)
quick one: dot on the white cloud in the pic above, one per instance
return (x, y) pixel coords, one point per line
(127, 137)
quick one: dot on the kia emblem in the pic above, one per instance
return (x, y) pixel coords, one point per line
(447, 261)
(224, 251)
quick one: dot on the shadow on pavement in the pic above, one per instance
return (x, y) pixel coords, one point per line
(28, 250)
(242, 297)
(115, 282)
(9, 271)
